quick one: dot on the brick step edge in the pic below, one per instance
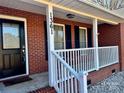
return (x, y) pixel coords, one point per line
(44, 90)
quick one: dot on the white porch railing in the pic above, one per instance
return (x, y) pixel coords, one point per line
(79, 59)
(70, 63)
(108, 56)
(66, 79)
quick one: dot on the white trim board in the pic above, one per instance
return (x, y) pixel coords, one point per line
(58, 24)
(86, 35)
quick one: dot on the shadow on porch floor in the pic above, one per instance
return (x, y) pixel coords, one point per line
(38, 81)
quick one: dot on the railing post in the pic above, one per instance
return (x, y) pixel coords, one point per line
(95, 40)
(50, 36)
(83, 83)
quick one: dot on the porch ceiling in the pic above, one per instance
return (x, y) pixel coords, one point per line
(84, 9)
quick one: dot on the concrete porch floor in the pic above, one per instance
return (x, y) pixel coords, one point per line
(38, 81)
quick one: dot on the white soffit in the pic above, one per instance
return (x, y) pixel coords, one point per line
(18, 4)
(84, 8)
(119, 12)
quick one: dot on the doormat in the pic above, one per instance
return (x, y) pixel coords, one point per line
(16, 81)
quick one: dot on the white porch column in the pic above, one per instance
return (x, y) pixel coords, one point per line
(95, 40)
(50, 36)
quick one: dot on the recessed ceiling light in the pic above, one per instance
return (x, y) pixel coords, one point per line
(70, 15)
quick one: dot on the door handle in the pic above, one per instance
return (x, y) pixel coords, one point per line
(23, 50)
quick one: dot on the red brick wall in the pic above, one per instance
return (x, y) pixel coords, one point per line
(36, 42)
(36, 37)
(102, 74)
(109, 35)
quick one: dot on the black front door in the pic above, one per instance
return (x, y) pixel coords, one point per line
(12, 48)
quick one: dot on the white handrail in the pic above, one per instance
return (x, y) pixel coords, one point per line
(108, 47)
(67, 80)
(62, 50)
(66, 65)
(76, 49)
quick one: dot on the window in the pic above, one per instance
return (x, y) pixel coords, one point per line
(83, 37)
(10, 36)
(59, 37)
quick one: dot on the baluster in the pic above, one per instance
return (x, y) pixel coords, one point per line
(78, 61)
(75, 66)
(59, 80)
(65, 74)
(71, 74)
(68, 53)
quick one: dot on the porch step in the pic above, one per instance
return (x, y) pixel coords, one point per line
(44, 90)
